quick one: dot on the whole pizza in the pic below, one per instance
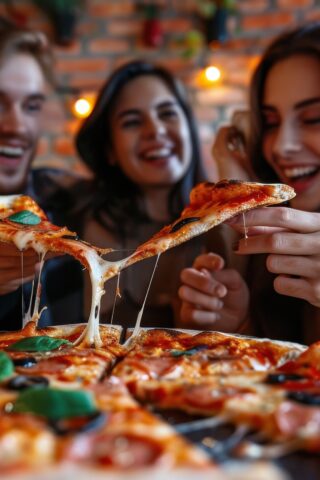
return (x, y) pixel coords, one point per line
(93, 400)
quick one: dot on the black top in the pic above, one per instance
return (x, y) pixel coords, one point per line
(55, 191)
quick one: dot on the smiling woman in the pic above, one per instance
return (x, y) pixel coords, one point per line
(291, 142)
(284, 144)
(141, 142)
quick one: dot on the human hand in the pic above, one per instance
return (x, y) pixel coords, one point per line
(229, 149)
(212, 296)
(292, 240)
(12, 275)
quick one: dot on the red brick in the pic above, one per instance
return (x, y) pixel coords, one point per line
(75, 48)
(111, 45)
(313, 15)
(124, 27)
(245, 6)
(87, 28)
(268, 20)
(82, 65)
(111, 8)
(64, 146)
(72, 126)
(43, 147)
(291, 4)
(186, 6)
(176, 25)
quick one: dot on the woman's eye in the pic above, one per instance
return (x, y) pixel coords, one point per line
(270, 124)
(168, 113)
(312, 120)
(130, 122)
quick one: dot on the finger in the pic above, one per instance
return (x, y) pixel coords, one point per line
(191, 317)
(283, 217)
(303, 266)
(230, 278)
(299, 288)
(210, 261)
(202, 281)
(203, 301)
(281, 243)
(251, 231)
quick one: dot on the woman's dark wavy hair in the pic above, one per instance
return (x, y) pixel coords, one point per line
(115, 194)
(302, 40)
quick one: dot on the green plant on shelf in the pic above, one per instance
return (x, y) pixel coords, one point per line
(208, 8)
(63, 14)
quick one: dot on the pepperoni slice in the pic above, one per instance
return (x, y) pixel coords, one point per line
(123, 451)
(292, 417)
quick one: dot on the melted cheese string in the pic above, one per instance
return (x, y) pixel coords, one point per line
(35, 312)
(245, 226)
(116, 295)
(139, 317)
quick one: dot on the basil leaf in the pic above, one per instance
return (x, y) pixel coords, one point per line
(191, 351)
(25, 217)
(6, 366)
(55, 404)
(38, 344)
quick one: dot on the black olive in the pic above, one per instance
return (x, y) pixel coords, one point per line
(183, 222)
(67, 426)
(25, 362)
(307, 398)
(21, 382)
(71, 237)
(283, 377)
(225, 183)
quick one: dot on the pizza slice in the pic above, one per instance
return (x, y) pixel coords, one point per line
(286, 418)
(172, 354)
(47, 356)
(24, 224)
(212, 204)
(98, 429)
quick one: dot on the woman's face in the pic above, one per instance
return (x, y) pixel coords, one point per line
(150, 134)
(291, 140)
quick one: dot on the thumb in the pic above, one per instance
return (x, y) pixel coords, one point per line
(210, 261)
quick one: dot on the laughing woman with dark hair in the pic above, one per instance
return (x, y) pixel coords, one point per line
(142, 145)
(284, 146)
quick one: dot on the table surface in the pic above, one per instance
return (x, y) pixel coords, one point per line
(299, 465)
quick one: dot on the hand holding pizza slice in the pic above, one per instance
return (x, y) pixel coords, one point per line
(290, 237)
(23, 223)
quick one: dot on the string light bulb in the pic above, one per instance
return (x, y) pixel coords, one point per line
(82, 106)
(212, 74)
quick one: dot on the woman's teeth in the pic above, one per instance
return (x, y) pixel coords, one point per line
(298, 172)
(158, 153)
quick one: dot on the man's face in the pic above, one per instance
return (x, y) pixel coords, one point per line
(22, 95)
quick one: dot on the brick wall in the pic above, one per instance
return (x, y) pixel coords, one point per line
(109, 33)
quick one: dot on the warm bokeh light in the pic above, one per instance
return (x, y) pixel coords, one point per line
(208, 77)
(83, 106)
(212, 73)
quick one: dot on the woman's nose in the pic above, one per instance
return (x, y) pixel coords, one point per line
(288, 140)
(154, 126)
